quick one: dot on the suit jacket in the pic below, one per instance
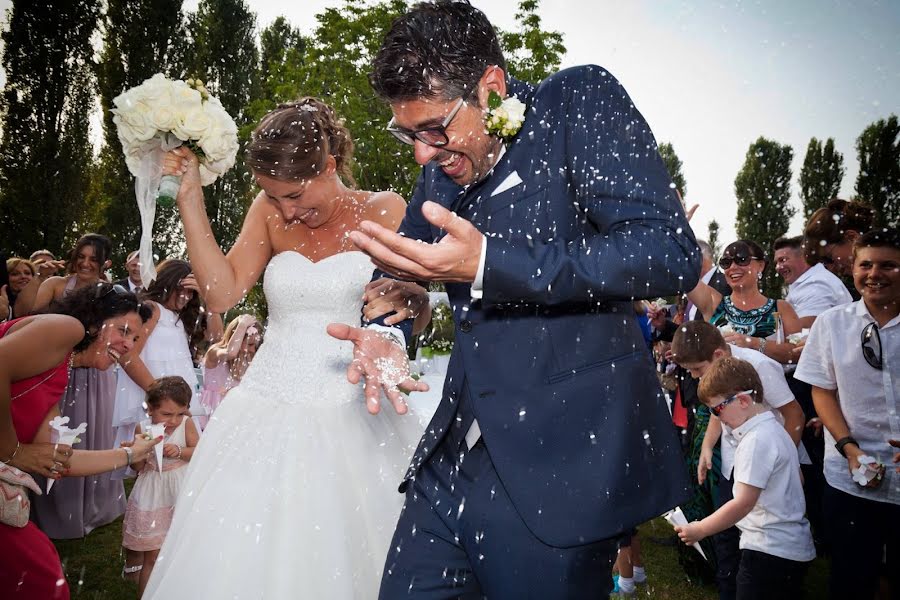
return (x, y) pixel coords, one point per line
(552, 361)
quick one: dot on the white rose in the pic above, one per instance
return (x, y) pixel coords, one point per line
(192, 125)
(137, 116)
(515, 109)
(163, 117)
(185, 98)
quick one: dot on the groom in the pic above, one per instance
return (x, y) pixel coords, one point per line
(552, 437)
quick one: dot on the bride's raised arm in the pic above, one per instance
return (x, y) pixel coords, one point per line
(223, 279)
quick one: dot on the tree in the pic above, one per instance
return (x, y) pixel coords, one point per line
(224, 55)
(673, 166)
(45, 153)
(140, 38)
(532, 54)
(713, 240)
(821, 175)
(763, 190)
(878, 182)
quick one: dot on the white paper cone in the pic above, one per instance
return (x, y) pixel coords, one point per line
(60, 433)
(155, 431)
(676, 518)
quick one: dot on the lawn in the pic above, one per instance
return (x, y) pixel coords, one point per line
(94, 566)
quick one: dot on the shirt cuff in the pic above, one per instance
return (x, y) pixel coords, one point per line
(396, 332)
(477, 290)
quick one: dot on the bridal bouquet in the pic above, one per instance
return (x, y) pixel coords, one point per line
(157, 116)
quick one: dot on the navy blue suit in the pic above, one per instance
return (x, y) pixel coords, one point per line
(551, 361)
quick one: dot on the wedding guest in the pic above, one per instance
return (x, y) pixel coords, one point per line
(695, 347)
(832, 230)
(133, 267)
(163, 349)
(767, 504)
(22, 275)
(538, 235)
(34, 358)
(811, 291)
(86, 264)
(752, 317)
(152, 500)
(46, 263)
(78, 506)
(629, 567)
(852, 358)
(226, 361)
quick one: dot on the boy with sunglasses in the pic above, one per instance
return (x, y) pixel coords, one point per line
(768, 506)
(696, 347)
(852, 360)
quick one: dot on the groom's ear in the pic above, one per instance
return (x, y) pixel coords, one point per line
(492, 80)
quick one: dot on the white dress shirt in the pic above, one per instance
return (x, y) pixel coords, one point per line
(817, 290)
(869, 398)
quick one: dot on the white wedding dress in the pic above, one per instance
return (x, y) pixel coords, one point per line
(292, 492)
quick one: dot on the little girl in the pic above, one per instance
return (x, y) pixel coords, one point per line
(227, 360)
(152, 501)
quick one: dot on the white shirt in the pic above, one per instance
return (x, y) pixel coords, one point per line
(776, 394)
(817, 290)
(766, 459)
(869, 398)
(132, 286)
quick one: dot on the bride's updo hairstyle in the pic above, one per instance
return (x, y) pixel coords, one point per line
(830, 224)
(293, 142)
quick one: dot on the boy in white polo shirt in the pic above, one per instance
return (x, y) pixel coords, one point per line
(768, 505)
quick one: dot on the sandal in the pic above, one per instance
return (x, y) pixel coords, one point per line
(126, 570)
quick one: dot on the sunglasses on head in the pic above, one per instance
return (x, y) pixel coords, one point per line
(117, 288)
(871, 345)
(718, 408)
(741, 260)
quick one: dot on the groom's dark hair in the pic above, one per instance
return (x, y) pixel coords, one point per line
(437, 49)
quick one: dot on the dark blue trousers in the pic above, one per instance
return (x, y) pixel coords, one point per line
(459, 536)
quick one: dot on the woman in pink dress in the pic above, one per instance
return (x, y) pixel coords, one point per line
(36, 354)
(227, 360)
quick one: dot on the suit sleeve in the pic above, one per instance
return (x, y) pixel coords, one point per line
(413, 226)
(640, 244)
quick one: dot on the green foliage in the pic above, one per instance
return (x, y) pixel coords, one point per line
(713, 240)
(878, 182)
(532, 54)
(763, 190)
(45, 154)
(673, 166)
(821, 175)
(140, 38)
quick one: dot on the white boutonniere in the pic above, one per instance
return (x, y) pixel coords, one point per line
(504, 118)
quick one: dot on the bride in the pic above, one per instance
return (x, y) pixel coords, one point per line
(292, 490)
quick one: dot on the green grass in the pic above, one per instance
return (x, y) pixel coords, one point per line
(94, 565)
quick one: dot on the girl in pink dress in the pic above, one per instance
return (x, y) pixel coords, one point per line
(152, 500)
(227, 360)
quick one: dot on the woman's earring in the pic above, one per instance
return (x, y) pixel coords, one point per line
(759, 276)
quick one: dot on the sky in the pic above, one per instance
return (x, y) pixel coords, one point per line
(711, 77)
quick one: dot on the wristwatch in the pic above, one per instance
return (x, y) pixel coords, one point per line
(128, 454)
(843, 442)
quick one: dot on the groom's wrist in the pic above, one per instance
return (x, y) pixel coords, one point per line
(395, 333)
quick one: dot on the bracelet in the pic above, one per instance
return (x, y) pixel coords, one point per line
(128, 453)
(762, 345)
(178, 456)
(843, 442)
(16, 451)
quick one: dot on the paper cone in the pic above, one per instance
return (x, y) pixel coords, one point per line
(156, 431)
(676, 518)
(60, 433)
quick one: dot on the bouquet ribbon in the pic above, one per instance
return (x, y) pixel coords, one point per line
(146, 185)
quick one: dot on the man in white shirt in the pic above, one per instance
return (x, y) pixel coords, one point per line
(811, 289)
(695, 347)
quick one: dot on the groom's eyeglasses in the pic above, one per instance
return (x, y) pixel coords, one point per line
(871, 345)
(431, 136)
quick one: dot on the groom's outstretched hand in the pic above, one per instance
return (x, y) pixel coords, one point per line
(454, 258)
(382, 362)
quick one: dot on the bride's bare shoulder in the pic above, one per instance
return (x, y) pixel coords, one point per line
(385, 208)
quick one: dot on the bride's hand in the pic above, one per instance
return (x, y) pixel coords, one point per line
(181, 162)
(403, 298)
(383, 363)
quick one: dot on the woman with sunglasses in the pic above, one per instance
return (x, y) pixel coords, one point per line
(852, 360)
(749, 314)
(38, 355)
